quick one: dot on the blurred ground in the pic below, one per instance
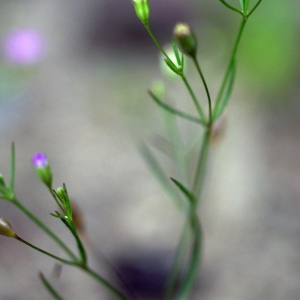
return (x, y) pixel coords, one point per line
(86, 106)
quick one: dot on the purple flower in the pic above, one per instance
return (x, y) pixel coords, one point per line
(42, 168)
(39, 160)
(24, 46)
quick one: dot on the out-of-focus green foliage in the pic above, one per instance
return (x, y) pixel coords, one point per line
(268, 54)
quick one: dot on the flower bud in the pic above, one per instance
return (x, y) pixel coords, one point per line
(6, 229)
(185, 39)
(42, 168)
(142, 10)
(62, 195)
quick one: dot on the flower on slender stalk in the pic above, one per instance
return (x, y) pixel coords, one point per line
(24, 47)
(185, 39)
(42, 168)
(142, 10)
(6, 229)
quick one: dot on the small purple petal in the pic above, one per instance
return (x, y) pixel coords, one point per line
(39, 160)
(24, 46)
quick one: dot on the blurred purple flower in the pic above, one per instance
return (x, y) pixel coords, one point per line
(39, 160)
(24, 46)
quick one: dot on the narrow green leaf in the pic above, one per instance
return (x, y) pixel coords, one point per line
(242, 2)
(228, 89)
(174, 111)
(160, 176)
(184, 190)
(176, 52)
(246, 5)
(57, 216)
(177, 70)
(50, 289)
(231, 7)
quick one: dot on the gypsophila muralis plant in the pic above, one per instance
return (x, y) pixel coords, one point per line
(184, 191)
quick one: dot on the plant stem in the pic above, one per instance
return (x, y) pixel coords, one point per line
(105, 283)
(231, 61)
(40, 224)
(12, 167)
(46, 252)
(192, 269)
(195, 100)
(195, 60)
(177, 264)
(174, 111)
(80, 246)
(50, 289)
(155, 41)
(199, 175)
(254, 8)
(231, 7)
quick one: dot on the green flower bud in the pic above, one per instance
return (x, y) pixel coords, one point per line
(185, 39)
(6, 229)
(62, 195)
(142, 10)
(42, 169)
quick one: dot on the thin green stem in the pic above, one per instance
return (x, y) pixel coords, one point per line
(195, 60)
(228, 70)
(192, 269)
(50, 289)
(155, 41)
(46, 252)
(177, 264)
(199, 175)
(83, 267)
(80, 246)
(231, 7)
(175, 111)
(104, 282)
(12, 167)
(51, 234)
(254, 8)
(195, 100)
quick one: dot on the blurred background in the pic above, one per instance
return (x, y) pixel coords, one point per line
(73, 83)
